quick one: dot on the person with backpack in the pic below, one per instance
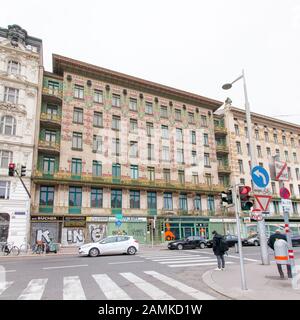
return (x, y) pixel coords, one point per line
(219, 248)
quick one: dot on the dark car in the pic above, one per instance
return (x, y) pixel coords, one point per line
(229, 238)
(296, 240)
(191, 242)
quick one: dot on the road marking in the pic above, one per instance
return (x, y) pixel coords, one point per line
(194, 264)
(180, 286)
(110, 289)
(34, 290)
(125, 262)
(147, 287)
(4, 286)
(73, 289)
(8, 271)
(62, 267)
(182, 258)
(188, 260)
(164, 256)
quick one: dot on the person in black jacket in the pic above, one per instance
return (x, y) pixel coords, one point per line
(218, 251)
(274, 236)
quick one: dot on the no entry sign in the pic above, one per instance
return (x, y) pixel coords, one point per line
(284, 193)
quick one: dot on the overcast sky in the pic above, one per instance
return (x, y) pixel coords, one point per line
(193, 45)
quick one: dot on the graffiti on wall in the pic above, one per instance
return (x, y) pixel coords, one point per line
(72, 236)
(43, 235)
(97, 232)
(45, 232)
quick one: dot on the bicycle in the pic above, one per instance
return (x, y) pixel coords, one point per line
(9, 248)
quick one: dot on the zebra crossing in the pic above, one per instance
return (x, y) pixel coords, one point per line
(188, 258)
(149, 284)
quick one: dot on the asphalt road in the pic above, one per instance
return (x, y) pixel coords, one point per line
(151, 274)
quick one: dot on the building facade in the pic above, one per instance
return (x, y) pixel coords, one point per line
(118, 154)
(20, 81)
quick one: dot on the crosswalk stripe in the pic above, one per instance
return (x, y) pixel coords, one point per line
(73, 289)
(148, 288)
(34, 290)
(166, 256)
(183, 261)
(4, 286)
(180, 286)
(194, 264)
(186, 258)
(110, 289)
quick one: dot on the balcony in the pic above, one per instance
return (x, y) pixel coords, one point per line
(224, 168)
(51, 94)
(45, 209)
(222, 148)
(49, 146)
(51, 120)
(220, 130)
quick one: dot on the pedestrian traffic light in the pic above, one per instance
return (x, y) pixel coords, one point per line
(23, 171)
(226, 198)
(11, 169)
(245, 197)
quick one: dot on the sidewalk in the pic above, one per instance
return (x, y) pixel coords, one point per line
(263, 282)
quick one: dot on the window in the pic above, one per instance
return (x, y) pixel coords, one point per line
(97, 143)
(238, 147)
(165, 153)
(180, 157)
(98, 96)
(78, 115)
(150, 129)
(178, 114)
(205, 139)
(191, 117)
(203, 121)
(293, 142)
(242, 181)
(167, 175)
(116, 121)
(134, 199)
(292, 190)
(195, 178)
(151, 173)
(97, 168)
(4, 189)
(241, 166)
(75, 196)
(236, 130)
(286, 155)
(50, 136)
(11, 95)
(248, 149)
(133, 104)
(179, 136)
(151, 200)
(133, 125)
(277, 153)
(183, 202)
(149, 107)
(197, 202)
(193, 137)
(165, 132)
(134, 172)
(268, 152)
(53, 87)
(150, 148)
(295, 207)
(48, 165)
(210, 203)
(208, 180)
(116, 100)
(98, 119)
(6, 157)
(274, 191)
(259, 154)
(194, 158)
(299, 188)
(76, 166)
(267, 136)
(206, 160)
(181, 178)
(246, 132)
(163, 111)
(116, 147)
(52, 110)
(289, 172)
(116, 170)
(295, 156)
(297, 173)
(116, 198)
(13, 67)
(77, 140)
(256, 134)
(276, 207)
(46, 196)
(284, 140)
(275, 138)
(168, 201)
(133, 149)
(96, 198)
(78, 91)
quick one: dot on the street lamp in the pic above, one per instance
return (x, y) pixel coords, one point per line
(260, 224)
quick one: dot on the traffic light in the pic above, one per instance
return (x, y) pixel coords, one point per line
(226, 198)
(11, 169)
(23, 171)
(245, 197)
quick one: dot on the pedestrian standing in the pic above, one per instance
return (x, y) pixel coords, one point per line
(282, 257)
(219, 248)
(274, 236)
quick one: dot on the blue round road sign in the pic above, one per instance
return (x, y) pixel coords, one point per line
(260, 176)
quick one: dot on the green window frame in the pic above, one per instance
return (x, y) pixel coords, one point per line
(97, 168)
(134, 199)
(151, 200)
(96, 198)
(46, 195)
(76, 166)
(134, 172)
(116, 170)
(116, 199)
(75, 196)
(48, 165)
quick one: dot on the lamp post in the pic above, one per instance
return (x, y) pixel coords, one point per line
(260, 224)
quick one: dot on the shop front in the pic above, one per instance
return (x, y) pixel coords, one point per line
(96, 228)
(73, 231)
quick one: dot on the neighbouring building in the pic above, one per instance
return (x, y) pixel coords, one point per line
(272, 137)
(116, 153)
(20, 82)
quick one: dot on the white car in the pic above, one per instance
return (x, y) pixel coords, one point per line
(110, 245)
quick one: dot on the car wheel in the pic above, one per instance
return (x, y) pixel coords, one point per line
(94, 252)
(179, 246)
(131, 250)
(202, 245)
(256, 243)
